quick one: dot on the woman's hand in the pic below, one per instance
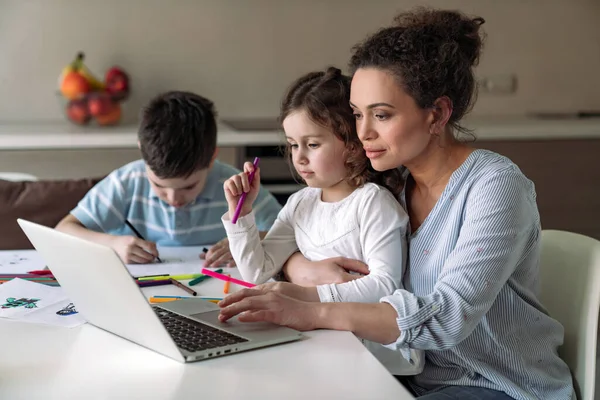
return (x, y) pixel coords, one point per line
(302, 272)
(263, 304)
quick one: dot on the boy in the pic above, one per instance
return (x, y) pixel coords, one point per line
(173, 196)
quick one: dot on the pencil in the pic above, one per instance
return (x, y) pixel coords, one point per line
(226, 286)
(182, 286)
(139, 235)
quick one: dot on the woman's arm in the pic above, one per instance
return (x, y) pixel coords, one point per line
(375, 322)
(297, 269)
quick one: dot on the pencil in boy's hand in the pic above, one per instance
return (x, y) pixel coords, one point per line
(240, 203)
(139, 235)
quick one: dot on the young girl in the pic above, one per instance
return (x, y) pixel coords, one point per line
(341, 212)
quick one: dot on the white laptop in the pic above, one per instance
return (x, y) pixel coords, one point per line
(96, 280)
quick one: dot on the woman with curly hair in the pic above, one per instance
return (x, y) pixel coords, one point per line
(470, 296)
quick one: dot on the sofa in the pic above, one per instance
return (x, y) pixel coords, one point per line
(44, 202)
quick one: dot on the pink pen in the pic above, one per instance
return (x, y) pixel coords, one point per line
(227, 278)
(240, 203)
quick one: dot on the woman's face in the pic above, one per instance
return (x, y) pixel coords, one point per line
(393, 130)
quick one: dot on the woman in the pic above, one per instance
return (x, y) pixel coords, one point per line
(474, 238)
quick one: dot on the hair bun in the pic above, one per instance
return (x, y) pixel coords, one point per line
(458, 29)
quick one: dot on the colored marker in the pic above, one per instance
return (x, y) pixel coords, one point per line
(183, 277)
(182, 286)
(240, 203)
(188, 297)
(153, 283)
(41, 272)
(226, 286)
(202, 278)
(222, 277)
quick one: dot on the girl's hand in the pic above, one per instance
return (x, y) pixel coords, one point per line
(238, 184)
(302, 272)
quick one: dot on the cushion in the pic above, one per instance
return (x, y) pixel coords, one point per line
(44, 202)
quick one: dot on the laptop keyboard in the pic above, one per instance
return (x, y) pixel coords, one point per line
(193, 335)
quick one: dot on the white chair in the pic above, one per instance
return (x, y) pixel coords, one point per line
(17, 176)
(570, 290)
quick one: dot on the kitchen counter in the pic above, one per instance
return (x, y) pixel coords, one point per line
(62, 135)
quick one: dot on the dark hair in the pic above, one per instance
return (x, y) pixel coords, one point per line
(325, 96)
(432, 53)
(178, 134)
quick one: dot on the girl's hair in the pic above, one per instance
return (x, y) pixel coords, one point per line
(325, 96)
(432, 53)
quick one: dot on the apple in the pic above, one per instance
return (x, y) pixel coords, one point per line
(100, 103)
(111, 117)
(117, 83)
(77, 111)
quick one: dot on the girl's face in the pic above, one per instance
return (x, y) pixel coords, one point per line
(317, 154)
(393, 129)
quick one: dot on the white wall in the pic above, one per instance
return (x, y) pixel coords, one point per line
(243, 53)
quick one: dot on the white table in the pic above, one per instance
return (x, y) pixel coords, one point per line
(46, 362)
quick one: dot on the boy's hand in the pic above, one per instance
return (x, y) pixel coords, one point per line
(238, 184)
(218, 255)
(133, 250)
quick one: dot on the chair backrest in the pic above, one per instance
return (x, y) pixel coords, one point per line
(17, 176)
(570, 290)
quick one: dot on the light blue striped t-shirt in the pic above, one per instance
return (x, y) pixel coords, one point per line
(470, 298)
(126, 193)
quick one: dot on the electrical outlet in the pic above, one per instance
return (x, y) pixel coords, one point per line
(498, 84)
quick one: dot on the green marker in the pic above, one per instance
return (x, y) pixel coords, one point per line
(202, 278)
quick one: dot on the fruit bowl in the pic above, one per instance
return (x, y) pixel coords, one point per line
(85, 99)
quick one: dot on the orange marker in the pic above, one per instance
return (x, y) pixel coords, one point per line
(153, 300)
(226, 286)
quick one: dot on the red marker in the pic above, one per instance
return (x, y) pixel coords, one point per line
(41, 272)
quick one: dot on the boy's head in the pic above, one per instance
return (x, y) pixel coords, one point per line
(178, 141)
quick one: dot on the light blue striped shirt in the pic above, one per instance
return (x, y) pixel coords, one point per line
(126, 193)
(470, 298)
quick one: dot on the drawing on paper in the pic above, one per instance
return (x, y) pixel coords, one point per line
(13, 302)
(13, 259)
(68, 310)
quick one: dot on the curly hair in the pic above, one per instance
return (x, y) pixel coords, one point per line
(325, 96)
(432, 54)
(178, 134)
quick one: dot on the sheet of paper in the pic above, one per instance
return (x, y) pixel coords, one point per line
(19, 297)
(20, 261)
(176, 261)
(63, 313)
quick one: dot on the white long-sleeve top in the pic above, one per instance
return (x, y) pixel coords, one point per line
(368, 225)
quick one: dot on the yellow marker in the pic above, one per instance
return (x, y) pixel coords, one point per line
(178, 277)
